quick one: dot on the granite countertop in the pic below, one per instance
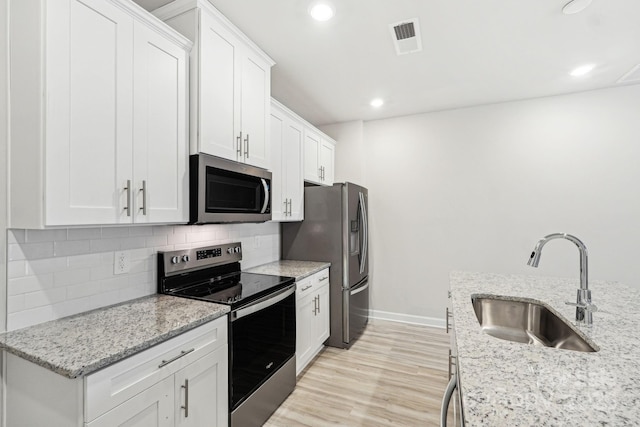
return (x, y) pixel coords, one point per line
(290, 268)
(507, 383)
(78, 345)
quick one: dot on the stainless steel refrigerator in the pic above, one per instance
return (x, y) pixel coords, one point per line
(335, 229)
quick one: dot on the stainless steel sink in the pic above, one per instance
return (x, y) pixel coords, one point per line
(526, 321)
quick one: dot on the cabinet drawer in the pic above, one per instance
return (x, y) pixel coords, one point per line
(111, 386)
(304, 287)
(322, 277)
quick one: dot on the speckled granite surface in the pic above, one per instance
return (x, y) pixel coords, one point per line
(290, 268)
(78, 345)
(506, 383)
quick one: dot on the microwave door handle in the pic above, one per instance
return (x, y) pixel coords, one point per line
(265, 187)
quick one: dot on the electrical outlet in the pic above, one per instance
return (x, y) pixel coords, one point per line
(121, 263)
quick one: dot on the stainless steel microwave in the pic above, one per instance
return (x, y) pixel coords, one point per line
(222, 190)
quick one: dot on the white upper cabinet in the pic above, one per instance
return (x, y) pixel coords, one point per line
(287, 182)
(98, 115)
(230, 85)
(319, 155)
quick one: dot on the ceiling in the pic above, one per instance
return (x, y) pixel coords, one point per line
(474, 52)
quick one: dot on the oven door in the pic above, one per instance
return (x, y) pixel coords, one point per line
(263, 339)
(226, 191)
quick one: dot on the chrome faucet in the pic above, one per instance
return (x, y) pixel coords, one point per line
(584, 307)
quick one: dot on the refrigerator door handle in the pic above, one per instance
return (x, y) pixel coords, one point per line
(359, 289)
(446, 399)
(365, 233)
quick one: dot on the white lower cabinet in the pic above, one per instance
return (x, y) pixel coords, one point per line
(180, 382)
(312, 317)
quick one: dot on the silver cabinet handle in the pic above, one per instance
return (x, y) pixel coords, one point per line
(322, 279)
(305, 288)
(286, 213)
(128, 189)
(186, 398)
(290, 214)
(318, 303)
(246, 147)
(144, 197)
(239, 143)
(320, 173)
(447, 320)
(173, 359)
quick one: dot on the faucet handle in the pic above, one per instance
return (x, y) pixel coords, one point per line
(587, 307)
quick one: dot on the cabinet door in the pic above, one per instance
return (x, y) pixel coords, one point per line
(219, 109)
(255, 111)
(154, 407)
(304, 331)
(327, 155)
(322, 314)
(292, 158)
(88, 133)
(201, 392)
(160, 183)
(311, 159)
(279, 204)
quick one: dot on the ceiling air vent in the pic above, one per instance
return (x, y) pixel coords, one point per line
(406, 36)
(632, 75)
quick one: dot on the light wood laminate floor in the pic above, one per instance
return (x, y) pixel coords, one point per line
(394, 375)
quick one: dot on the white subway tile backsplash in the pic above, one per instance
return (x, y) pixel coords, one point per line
(132, 242)
(84, 261)
(71, 247)
(143, 231)
(83, 290)
(24, 318)
(16, 269)
(71, 277)
(113, 232)
(37, 236)
(155, 241)
(84, 233)
(45, 298)
(57, 273)
(27, 284)
(16, 236)
(15, 303)
(47, 265)
(18, 251)
(105, 245)
(111, 284)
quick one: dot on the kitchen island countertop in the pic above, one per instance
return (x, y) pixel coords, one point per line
(78, 345)
(290, 268)
(508, 383)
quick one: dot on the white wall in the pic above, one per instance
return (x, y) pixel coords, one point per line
(3, 186)
(57, 273)
(474, 189)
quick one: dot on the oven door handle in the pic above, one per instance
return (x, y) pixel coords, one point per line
(263, 303)
(265, 187)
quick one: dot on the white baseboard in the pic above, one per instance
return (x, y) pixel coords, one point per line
(408, 318)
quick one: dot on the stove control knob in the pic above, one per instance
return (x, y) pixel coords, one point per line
(175, 260)
(185, 258)
(230, 250)
(237, 249)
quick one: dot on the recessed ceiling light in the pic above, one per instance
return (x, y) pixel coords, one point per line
(582, 70)
(575, 6)
(321, 11)
(376, 103)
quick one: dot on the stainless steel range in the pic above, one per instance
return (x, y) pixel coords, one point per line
(262, 324)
